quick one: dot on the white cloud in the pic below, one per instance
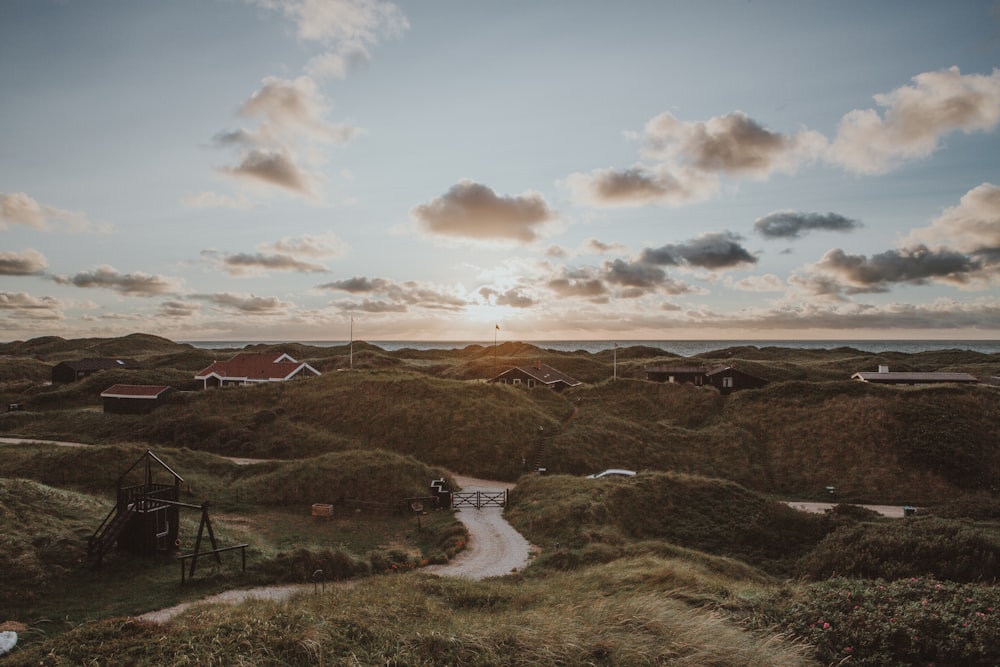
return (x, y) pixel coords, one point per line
(18, 208)
(25, 263)
(915, 119)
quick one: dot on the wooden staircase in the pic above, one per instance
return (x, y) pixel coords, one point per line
(106, 535)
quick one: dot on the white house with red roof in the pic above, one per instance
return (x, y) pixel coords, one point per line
(254, 367)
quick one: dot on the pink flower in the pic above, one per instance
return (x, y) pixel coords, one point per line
(826, 626)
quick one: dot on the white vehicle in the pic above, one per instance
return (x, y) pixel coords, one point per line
(612, 472)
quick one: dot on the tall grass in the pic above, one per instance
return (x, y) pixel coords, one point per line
(426, 620)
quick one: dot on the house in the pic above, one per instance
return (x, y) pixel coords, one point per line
(885, 376)
(254, 367)
(134, 399)
(538, 374)
(726, 379)
(71, 371)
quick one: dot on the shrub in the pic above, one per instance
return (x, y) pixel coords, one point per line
(914, 621)
(911, 548)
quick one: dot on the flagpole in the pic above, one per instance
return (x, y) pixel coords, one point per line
(495, 330)
(615, 378)
(351, 350)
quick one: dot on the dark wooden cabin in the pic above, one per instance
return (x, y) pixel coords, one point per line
(134, 399)
(726, 379)
(71, 371)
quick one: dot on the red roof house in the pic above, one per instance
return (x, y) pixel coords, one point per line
(254, 367)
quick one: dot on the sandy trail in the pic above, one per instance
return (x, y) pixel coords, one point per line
(494, 547)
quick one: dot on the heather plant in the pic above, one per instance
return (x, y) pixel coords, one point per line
(912, 621)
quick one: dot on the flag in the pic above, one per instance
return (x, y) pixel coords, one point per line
(498, 327)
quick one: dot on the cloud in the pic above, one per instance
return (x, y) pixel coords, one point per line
(18, 208)
(793, 224)
(22, 304)
(128, 284)
(276, 168)
(283, 151)
(250, 304)
(323, 245)
(733, 144)
(641, 186)
(716, 250)
(205, 200)
(915, 119)
(916, 266)
(764, 283)
(513, 298)
(330, 21)
(25, 263)
(178, 309)
(473, 211)
(618, 277)
(242, 264)
(972, 227)
(407, 293)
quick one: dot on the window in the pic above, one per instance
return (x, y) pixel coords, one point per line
(727, 383)
(517, 380)
(531, 383)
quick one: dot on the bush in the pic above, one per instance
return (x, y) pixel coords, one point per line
(910, 548)
(914, 621)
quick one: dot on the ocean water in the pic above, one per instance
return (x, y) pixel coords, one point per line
(683, 348)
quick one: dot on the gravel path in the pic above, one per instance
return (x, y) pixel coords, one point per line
(494, 547)
(891, 511)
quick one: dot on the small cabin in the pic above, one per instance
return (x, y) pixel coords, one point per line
(885, 376)
(71, 371)
(536, 375)
(134, 399)
(725, 378)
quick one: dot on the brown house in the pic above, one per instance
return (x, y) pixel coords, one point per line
(726, 379)
(71, 371)
(134, 399)
(536, 375)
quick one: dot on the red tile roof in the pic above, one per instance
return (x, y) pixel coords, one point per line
(258, 366)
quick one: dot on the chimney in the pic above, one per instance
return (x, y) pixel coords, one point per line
(538, 364)
(883, 369)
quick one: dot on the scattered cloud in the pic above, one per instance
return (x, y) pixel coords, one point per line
(128, 284)
(25, 263)
(470, 210)
(641, 186)
(712, 251)
(972, 227)
(335, 21)
(322, 245)
(793, 224)
(732, 144)
(394, 295)
(767, 282)
(18, 208)
(918, 266)
(283, 151)
(513, 298)
(206, 200)
(250, 304)
(178, 309)
(22, 304)
(914, 120)
(243, 264)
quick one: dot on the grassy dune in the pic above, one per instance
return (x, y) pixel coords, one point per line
(691, 562)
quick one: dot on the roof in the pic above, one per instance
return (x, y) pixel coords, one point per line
(904, 378)
(676, 369)
(259, 366)
(545, 374)
(134, 391)
(100, 364)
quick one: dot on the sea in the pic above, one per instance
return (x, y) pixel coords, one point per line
(682, 348)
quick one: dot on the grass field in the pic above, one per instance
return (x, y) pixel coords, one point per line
(694, 561)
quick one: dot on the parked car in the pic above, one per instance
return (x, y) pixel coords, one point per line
(612, 472)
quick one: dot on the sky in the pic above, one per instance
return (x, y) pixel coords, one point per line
(453, 170)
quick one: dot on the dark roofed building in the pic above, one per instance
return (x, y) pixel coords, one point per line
(254, 367)
(71, 371)
(726, 379)
(134, 398)
(884, 376)
(538, 374)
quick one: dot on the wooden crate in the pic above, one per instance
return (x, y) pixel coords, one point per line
(322, 509)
